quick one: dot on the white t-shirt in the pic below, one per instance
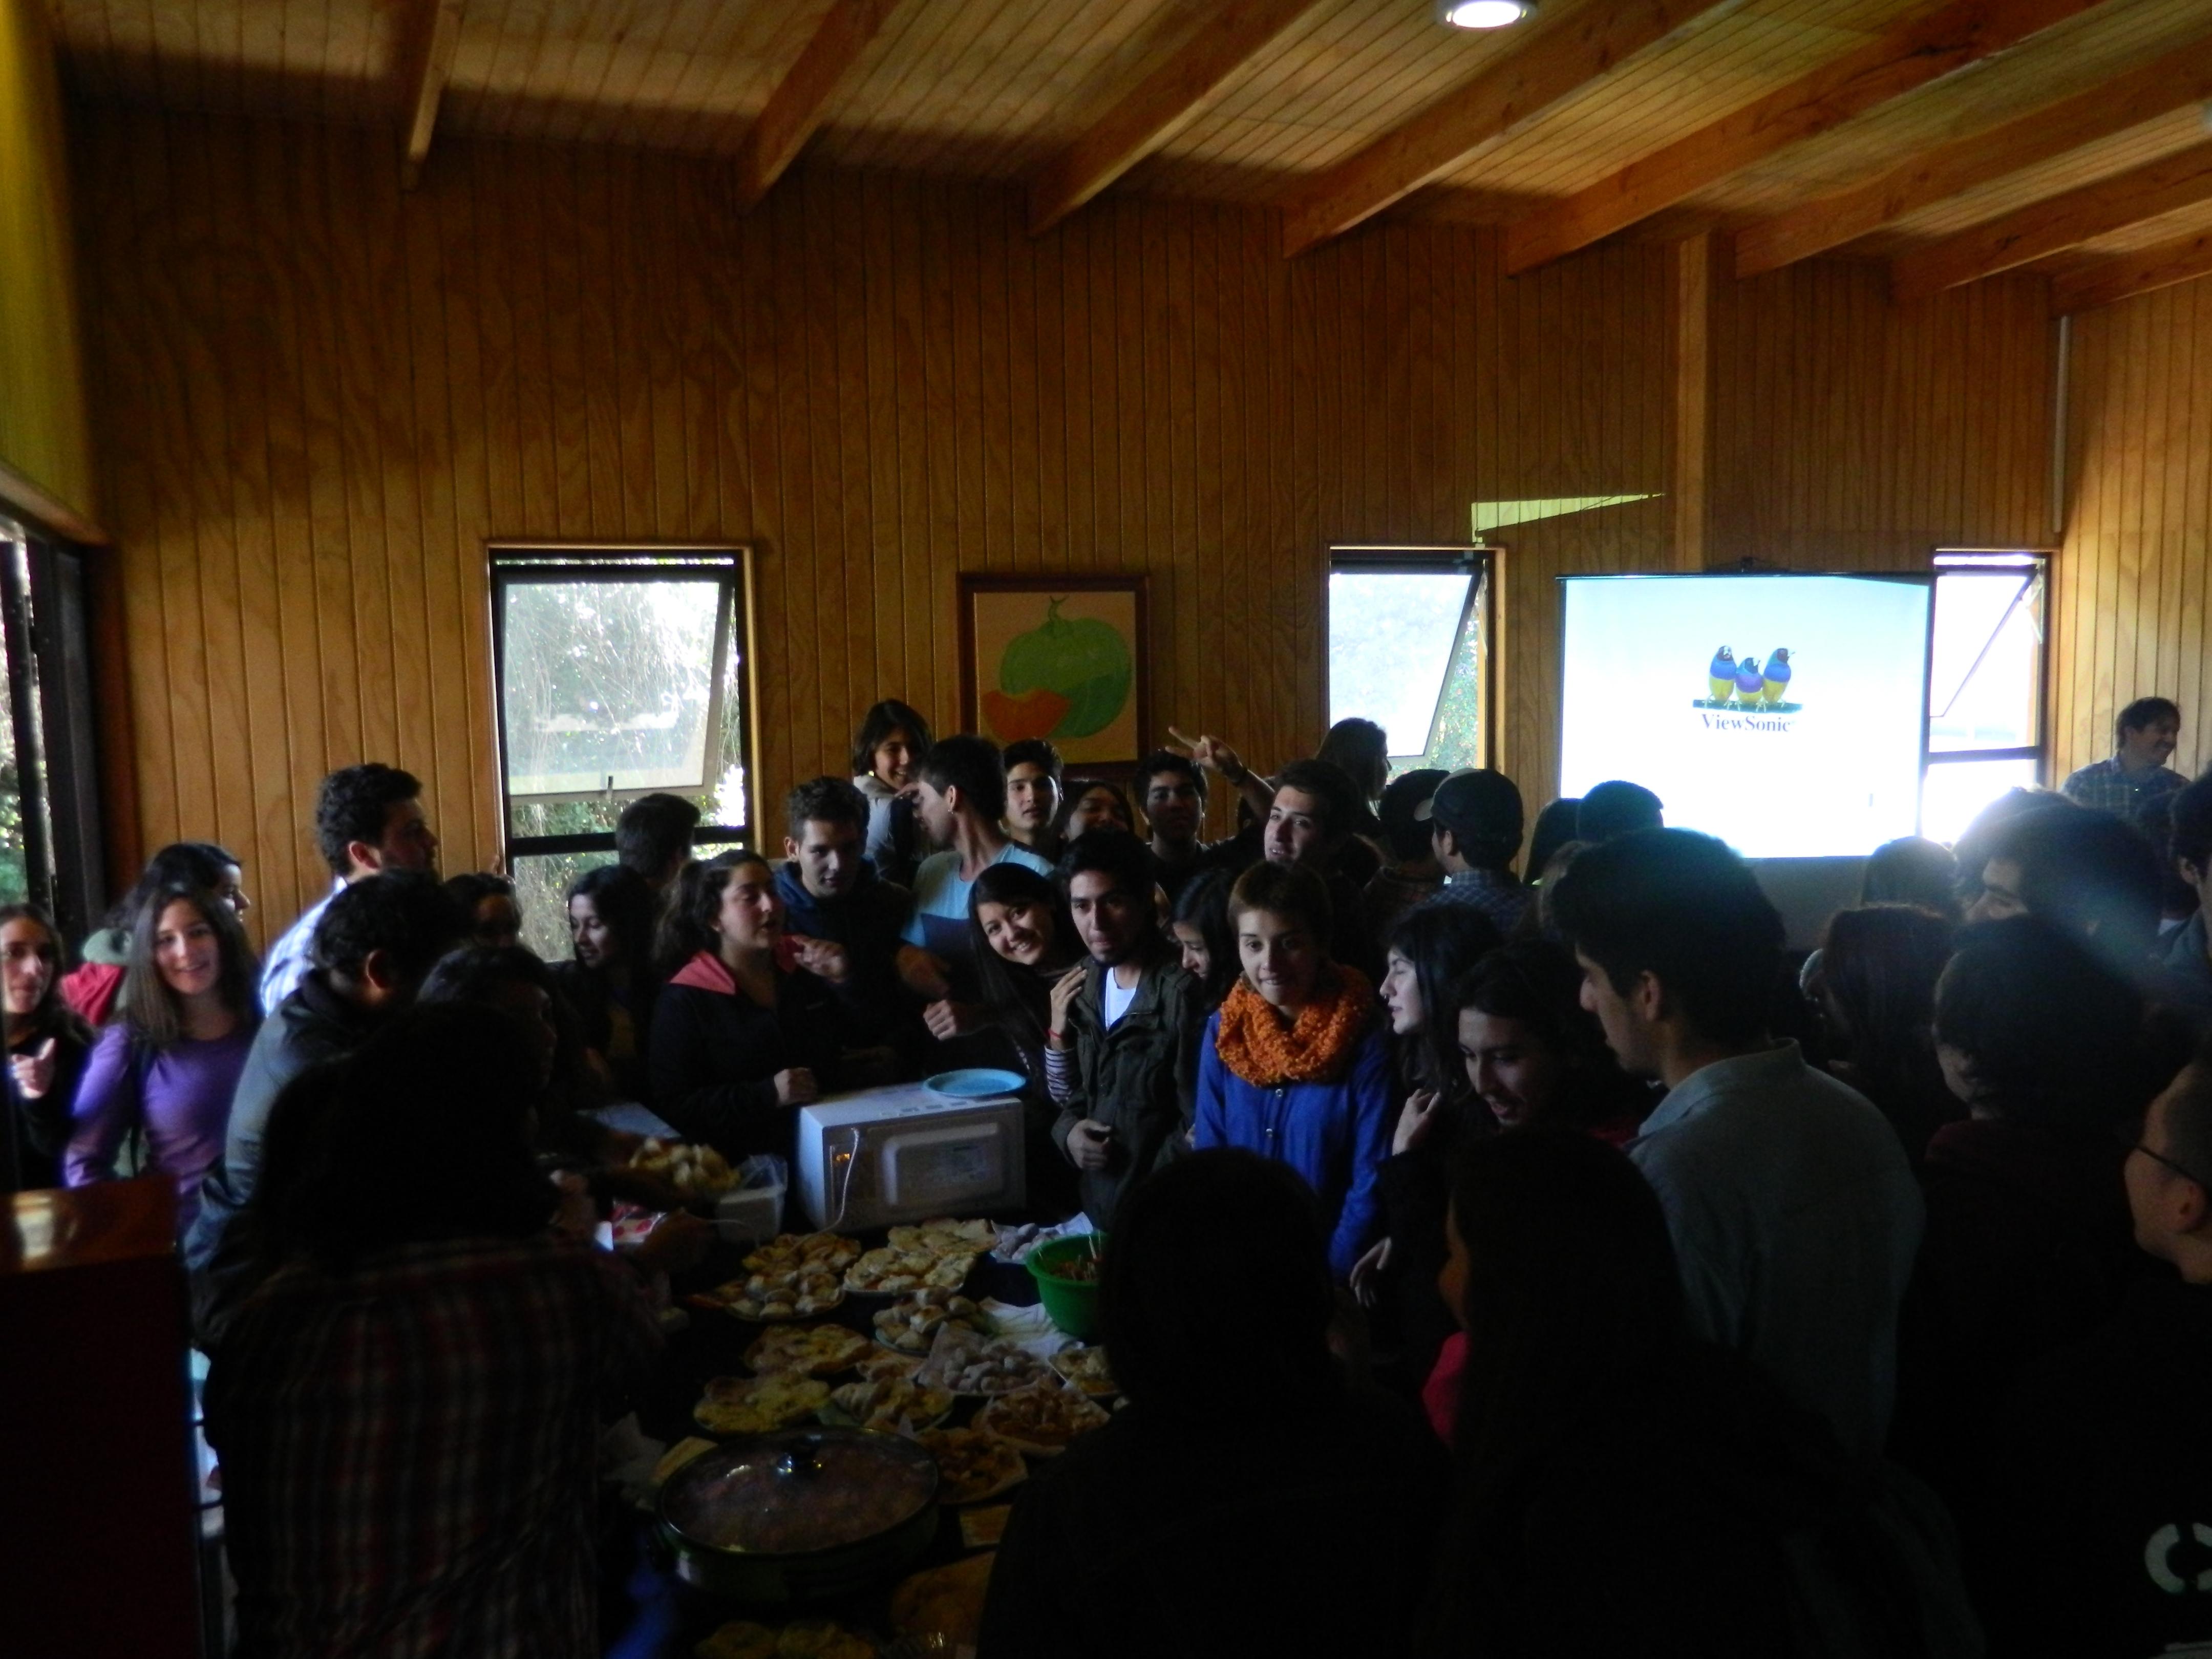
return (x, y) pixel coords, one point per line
(1114, 1000)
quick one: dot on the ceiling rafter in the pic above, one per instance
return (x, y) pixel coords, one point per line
(2110, 281)
(1160, 105)
(1558, 59)
(2171, 182)
(795, 110)
(436, 37)
(1922, 49)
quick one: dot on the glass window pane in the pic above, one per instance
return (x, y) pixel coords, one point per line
(1954, 791)
(1985, 684)
(1391, 647)
(608, 685)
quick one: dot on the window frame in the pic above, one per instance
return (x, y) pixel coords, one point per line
(1478, 558)
(1966, 559)
(510, 563)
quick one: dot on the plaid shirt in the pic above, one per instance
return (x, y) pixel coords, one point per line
(409, 1451)
(1497, 895)
(2107, 785)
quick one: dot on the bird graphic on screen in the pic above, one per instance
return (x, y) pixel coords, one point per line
(1749, 682)
(1721, 676)
(1777, 675)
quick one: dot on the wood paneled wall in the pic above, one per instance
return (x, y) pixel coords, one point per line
(2132, 583)
(319, 398)
(44, 460)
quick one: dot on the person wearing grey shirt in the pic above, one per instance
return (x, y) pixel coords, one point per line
(1792, 1208)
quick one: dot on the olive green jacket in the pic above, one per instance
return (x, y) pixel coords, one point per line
(1140, 1076)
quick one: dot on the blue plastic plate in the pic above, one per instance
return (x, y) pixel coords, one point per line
(974, 1083)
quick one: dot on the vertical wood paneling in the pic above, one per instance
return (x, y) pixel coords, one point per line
(2131, 588)
(321, 395)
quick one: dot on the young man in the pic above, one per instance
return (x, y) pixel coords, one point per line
(1791, 1206)
(830, 891)
(377, 940)
(1033, 783)
(2146, 735)
(653, 837)
(368, 818)
(1616, 808)
(2082, 870)
(1129, 1050)
(2104, 1519)
(1309, 821)
(1170, 790)
(1475, 829)
(960, 796)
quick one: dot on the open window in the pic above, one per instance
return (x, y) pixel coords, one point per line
(1409, 633)
(1985, 719)
(621, 673)
(51, 850)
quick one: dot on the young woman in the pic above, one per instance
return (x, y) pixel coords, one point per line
(91, 987)
(487, 901)
(1875, 986)
(1091, 802)
(610, 984)
(47, 1046)
(1362, 749)
(1295, 1065)
(1030, 966)
(168, 1065)
(887, 751)
(1201, 931)
(747, 1025)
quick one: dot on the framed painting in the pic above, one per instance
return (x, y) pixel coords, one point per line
(1061, 657)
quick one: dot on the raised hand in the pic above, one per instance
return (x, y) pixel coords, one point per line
(1065, 990)
(1415, 1122)
(796, 1087)
(34, 1071)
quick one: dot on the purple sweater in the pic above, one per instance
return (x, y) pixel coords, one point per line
(185, 1109)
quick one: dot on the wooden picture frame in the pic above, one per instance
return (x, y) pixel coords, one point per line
(1058, 657)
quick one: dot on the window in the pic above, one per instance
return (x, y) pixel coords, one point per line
(49, 844)
(621, 673)
(1409, 634)
(1985, 732)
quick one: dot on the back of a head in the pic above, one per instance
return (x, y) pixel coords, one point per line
(2189, 836)
(971, 765)
(1408, 827)
(1617, 808)
(473, 887)
(1685, 908)
(406, 913)
(882, 719)
(2050, 1035)
(422, 1133)
(1912, 870)
(1218, 1274)
(1362, 749)
(1880, 963)
(1344, 806)
(477, 973)
(1483, 811)
(353, 805)
(199, 864)
(2091, 873)
(1554, 829)
(654, 833)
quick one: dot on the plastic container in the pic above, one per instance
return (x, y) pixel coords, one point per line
(752, 1210)
(1071, 1303)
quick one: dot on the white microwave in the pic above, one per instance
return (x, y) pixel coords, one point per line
(878, 1156)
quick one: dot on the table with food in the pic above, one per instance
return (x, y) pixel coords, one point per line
(847, 1419)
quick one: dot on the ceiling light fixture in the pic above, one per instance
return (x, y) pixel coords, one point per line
(1483, 14)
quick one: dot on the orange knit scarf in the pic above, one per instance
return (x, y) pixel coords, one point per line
(1315, 1048)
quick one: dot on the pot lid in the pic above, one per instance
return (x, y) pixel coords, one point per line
(799, 1490)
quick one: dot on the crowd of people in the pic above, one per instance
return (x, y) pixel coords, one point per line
(1516, 1250)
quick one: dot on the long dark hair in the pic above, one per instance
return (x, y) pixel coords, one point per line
(687, 925)
(1204, 904)
(879, 722)
(180, 864)
(54, 1017)
(624, 900)
(1537, 983)
(1002, 981)
(1072, 791)
(147, 1007)
(1879, 967)
(1443, 942)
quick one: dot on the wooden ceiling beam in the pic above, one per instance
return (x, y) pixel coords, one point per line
(1171, 94)
(2051, 226)
(1922, 49)
(2110, 281)
(795, 110)
(1560, 56)
(429, 65)
(2183, 76)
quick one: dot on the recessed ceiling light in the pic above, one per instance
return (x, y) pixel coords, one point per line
(1483, 14)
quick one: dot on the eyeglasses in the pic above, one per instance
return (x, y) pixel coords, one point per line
(2185, 1174)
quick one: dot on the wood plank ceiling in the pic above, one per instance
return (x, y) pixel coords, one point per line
(1954, 138)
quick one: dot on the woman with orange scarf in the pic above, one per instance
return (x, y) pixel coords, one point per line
(1296, 1064)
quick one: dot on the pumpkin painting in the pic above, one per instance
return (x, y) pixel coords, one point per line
(1067, 678)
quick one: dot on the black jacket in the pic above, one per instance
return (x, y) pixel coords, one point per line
(1140, 1076)
(38, 1131)
(715, 1055)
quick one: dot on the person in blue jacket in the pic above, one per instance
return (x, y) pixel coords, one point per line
(1296, 1064)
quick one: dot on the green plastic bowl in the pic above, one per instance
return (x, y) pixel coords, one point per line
(1071, 1303)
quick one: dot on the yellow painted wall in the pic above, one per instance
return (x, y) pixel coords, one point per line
(43, 440)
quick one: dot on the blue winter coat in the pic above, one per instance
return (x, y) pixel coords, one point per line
(1336, 1134)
